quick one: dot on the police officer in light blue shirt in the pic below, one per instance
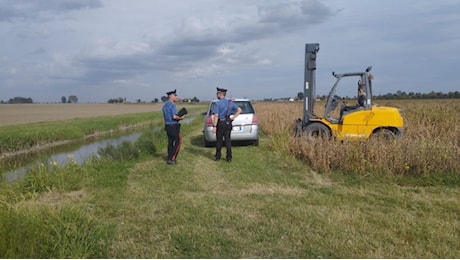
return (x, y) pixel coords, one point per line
(225, 111)
(172, 126)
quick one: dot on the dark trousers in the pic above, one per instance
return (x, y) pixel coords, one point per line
(174, 140)
(223, 133)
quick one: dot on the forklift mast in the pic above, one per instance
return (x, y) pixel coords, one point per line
(309, 92)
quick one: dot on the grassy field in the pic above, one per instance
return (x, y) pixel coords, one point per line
(267, 203)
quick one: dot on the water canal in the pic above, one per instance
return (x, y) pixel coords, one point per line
(73, 153)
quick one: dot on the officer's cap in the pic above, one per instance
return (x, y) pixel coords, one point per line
(221, 90)
(171, 92)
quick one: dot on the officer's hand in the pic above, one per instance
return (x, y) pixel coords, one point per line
(214, 130)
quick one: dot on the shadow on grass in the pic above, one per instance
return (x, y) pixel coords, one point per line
(198, 146)
(198, 140)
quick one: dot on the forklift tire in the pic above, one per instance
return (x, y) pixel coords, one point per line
(315, 131)
(384, 134)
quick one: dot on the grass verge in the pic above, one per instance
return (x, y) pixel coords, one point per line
(20, 137)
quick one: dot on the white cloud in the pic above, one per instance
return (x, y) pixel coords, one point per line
(94, 45)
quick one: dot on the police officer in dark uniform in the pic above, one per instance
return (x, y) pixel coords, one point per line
(172, 126)
(225, 111)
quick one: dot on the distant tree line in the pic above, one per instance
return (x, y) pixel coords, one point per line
(17, 100)
(398, 95)
(116, 100)
(411, 95)
(194, 99)
(188, 100)
(120, 100)
(23, 100)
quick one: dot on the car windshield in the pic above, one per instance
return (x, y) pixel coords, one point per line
(245, 106)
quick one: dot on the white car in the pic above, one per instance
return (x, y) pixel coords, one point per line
(245, 126)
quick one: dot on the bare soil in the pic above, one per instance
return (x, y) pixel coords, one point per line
(16, 114)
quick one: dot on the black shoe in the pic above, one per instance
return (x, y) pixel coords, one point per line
(217, 159)
(171, 162)
(229, 160)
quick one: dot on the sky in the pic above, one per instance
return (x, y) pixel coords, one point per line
(140, 49)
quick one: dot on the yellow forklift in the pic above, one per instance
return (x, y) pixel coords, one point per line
(357, 121)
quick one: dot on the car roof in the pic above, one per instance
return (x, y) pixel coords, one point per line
(233, 99)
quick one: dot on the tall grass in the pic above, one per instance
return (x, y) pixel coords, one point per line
(430, 143)
(41, 231)
(43, 216)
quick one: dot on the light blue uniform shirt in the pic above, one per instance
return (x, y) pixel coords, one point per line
(221, 108)
(169, 110)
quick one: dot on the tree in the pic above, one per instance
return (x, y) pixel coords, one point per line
(164, 98)
(64, 99)
(300, 95)
(72, 99)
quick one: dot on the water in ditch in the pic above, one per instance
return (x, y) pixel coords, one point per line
(70, 154)
(74, 153)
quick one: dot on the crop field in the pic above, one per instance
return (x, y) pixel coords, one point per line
(15, 114)
(430, 142)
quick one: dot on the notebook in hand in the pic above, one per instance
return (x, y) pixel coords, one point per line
(182, 112)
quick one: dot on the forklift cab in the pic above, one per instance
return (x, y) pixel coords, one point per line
(363, 97)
